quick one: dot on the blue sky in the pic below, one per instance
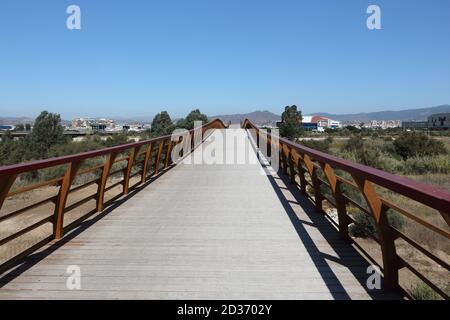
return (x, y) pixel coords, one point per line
(135, 58)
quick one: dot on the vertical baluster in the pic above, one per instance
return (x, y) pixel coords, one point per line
(446, 216)
(291, 165)
(58, 219)
(283, 161)
(158, 156)
(301, 174)
(126, 178)
(168, 156)
(148, 154)
(385, 234)
(6, 183)
(338, 198)
(102, 185)
(318, 199)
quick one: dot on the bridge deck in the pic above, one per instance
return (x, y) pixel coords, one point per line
(201, 231)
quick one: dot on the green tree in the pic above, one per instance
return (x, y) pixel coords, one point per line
(413, 144)
(161, 124)
(194, 115)
(290, 122)
(12, 151)
(47, 131)
(19, 127)
(27, 127)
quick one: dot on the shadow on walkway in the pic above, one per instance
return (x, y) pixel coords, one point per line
(346, 254)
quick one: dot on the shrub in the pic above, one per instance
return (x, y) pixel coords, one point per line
(395, 219)
(363, 152)
(321, 145)
(365, 225)
(427, 164)
(423, 292)
(354, 143)
(413, 144)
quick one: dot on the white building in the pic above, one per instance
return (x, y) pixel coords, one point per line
(316, 122)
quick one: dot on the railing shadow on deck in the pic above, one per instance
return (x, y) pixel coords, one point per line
(346, 255)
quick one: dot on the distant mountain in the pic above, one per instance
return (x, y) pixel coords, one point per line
(258, 117)
(16, 120)
(138, 119)
(403, 115)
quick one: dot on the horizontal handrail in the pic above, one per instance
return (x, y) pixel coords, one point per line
(307, 163)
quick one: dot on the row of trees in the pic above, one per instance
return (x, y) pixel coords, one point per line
(47, 132)
(162, 124)
(47, 139)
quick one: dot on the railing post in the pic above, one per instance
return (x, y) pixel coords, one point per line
(385, 234)
(102, 185)
(168, 157)
(340, 202)
(257, 139)
(301, 174)
(291, 165)
(318, 199)
(283, 159)
(58, 220)
(148, 154)
(446, 216)
(126, 177)
(158, 156)
(5, 185)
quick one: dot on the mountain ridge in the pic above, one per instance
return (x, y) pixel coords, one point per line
(258, 116)
(420, 114)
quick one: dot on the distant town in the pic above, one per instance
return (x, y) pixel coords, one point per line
(315, 123)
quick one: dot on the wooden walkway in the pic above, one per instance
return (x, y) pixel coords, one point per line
(200, 232)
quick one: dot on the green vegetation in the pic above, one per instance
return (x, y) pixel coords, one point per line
(290, 122)
(423, 292)
(47, 140)
(161, 125)
(188, 122)
(321, 145)
(47, 133)
(414, 144)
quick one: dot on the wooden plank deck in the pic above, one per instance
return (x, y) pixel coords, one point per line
(201, 232)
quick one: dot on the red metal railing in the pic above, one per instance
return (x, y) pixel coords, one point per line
(313, 171)
(140, 160)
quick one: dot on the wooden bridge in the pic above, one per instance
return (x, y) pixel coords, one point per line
(155, 227)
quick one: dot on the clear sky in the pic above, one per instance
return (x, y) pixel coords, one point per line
(135, 58)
